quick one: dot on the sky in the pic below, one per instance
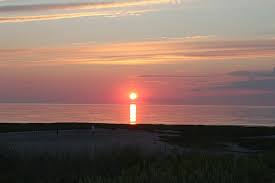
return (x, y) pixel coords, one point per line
(210, 52)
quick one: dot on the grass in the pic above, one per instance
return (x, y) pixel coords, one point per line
(131, 165)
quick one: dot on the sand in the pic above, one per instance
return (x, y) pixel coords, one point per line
(74, 141)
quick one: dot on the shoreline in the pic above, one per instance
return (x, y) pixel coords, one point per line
(58, 137)
(25, 126)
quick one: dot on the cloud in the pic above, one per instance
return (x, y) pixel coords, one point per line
(81, 5)
(76, 10)
(71, 15)
(142, 52)
(264, 99)
(170, 76)
(263, 84)
(253, 74)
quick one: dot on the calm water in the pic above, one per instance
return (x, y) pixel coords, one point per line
(155, 114)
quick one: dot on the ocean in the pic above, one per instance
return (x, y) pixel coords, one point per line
(140, 114)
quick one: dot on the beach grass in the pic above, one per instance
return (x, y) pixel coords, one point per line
(131, 165)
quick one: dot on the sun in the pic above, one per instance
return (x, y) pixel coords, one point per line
(133, 96)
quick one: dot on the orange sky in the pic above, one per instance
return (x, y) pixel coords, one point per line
(170, 51)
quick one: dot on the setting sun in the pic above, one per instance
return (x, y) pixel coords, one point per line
(133, 96)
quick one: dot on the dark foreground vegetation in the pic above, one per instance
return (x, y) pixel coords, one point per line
(130, 165)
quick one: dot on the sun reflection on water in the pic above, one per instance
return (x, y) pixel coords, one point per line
(133, 114)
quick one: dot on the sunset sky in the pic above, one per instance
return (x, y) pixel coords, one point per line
(169, 51)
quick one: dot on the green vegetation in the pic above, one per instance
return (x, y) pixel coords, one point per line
(131, 165)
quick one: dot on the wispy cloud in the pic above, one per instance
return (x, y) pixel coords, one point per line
(81, 9)
(170, 76)
(254, 74)
(71, 15)
(143, 52)
(82, 5)
(260, 84)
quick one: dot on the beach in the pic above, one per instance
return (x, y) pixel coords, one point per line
(81, 140)
(81, 137)
(109, 153)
